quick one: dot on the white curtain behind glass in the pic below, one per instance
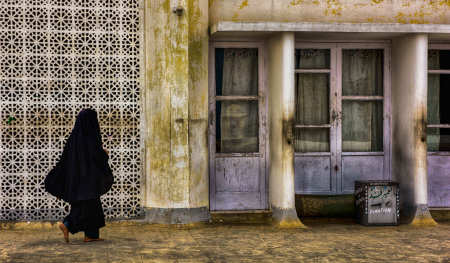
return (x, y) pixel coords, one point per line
(362, 123)
(312, 102)
(239, 119)
(433, 134)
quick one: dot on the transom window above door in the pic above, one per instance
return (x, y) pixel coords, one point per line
(341, 133)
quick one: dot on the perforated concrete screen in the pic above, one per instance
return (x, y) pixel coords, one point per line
(57, 57)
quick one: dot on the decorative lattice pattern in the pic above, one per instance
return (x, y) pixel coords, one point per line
(57, 57)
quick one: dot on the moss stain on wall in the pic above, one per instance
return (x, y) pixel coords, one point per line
(166, 106)
(198, 102)
(345, 11)
(333, 8)
(296, 2)
(243, 4)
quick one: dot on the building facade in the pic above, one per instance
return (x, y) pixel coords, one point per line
(237, 105)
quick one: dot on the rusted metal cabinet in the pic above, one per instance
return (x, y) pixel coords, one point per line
(377, 202)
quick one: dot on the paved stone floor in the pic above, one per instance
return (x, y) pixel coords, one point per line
(323, 241)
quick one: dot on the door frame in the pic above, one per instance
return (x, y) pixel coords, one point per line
(262, 109)
(335, 72)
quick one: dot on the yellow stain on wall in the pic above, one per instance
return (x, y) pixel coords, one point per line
(296, 2)
(445, 2)
(400, 18)
(244, 4)
(417, 17)
(377, 1)
(334, 8)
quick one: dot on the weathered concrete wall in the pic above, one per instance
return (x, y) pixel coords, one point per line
(356, 11)
(281, 116)
(342, 206)
(198, 103)
(175, 105)
(325, 205)
(409, 118)
(166, 106)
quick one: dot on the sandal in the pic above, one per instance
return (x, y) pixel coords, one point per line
(88, 239)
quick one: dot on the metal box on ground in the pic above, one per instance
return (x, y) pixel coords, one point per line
(377, 202)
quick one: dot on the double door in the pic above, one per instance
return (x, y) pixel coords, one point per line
(342, 118)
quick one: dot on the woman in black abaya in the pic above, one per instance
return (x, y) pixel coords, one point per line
(81, 176)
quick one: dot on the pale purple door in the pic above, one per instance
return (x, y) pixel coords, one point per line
(342, 121)
(237, 128)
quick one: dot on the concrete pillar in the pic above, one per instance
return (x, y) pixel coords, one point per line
(281, 51)
(409, 119)
(175, 107)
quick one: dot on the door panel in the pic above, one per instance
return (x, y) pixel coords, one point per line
(438, 181)
(237, 174)
(313, 174)
(360, 168)
(238, 200)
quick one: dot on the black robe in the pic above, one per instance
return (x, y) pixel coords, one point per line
(82, 174)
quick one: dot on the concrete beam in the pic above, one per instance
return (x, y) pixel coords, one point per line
(226, 26)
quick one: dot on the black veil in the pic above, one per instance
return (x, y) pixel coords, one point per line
(82, 172)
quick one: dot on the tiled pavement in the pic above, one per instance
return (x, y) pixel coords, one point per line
(324, 241)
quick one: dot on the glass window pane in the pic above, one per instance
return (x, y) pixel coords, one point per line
(438, 139)
(312, 99)
(312, 58)
(312, 140)
(236, 71)
(439, 59)
(237, 126)
(362, 126)
(362, 72)
(438, 97)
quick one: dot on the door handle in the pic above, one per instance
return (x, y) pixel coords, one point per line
(334, 116)
(210, 118)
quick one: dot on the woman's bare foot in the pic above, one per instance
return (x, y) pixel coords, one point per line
(65, 232)
(88, 239)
